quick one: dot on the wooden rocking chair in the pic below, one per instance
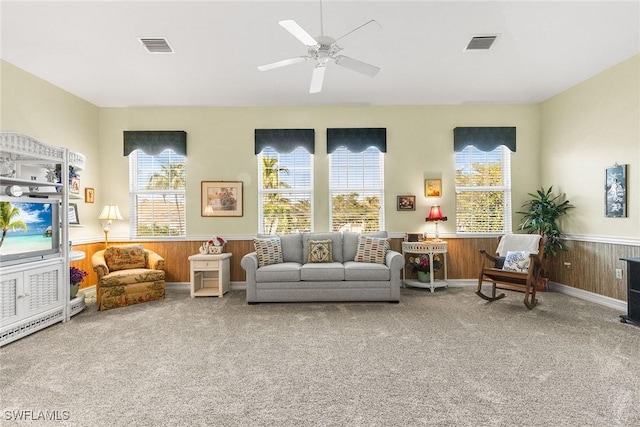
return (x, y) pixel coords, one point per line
(516, 268)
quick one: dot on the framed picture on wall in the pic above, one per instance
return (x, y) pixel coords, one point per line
(89, 195)
(615, 196)
(221, 198)
(406, 203)
(433, 187)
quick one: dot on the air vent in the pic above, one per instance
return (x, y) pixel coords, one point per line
(481, 42)
(156, 45)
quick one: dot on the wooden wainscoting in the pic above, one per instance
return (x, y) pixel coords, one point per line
(592, 264)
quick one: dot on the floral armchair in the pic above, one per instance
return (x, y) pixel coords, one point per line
(127, 275)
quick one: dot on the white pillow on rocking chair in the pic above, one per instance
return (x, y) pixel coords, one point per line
(517, 261)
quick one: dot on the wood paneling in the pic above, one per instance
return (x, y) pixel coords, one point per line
(592, 265)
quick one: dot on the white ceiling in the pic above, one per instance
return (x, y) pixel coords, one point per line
(91, 49)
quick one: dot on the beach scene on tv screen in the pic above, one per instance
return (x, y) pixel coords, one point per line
(26, 227)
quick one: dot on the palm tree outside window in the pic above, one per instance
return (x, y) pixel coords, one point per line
(157, 196)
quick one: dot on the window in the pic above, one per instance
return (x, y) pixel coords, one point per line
(357, 190)
(285, 191)
(483, 190)
(157, 194)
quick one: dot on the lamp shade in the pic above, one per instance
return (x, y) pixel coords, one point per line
(435, 214)
(110, 212)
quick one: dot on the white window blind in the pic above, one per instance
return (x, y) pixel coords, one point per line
(285, 191)
(483, 190)
(157, 194)
(357, 190)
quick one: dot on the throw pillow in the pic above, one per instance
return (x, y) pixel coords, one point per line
(517, 261)
(371, 249)
(320, 250)
(125, 257)
(269, 251)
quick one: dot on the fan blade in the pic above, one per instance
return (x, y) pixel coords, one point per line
(298, 32)
(357, 28)
(317, 78)
(355, 65)
(282, 63)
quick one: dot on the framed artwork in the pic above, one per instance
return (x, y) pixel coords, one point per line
(406, 203)
(433, 188)
(89, 195)
(615, 196)
(74, 186)
(73, 214)
(221, 198)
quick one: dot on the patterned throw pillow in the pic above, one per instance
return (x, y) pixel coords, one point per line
(320, 251)
(269, 251)
(371, 249)
(125, 257)
(517, 261)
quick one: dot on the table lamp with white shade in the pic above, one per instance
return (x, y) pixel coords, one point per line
(109, 213)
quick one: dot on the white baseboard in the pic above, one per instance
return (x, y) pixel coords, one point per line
(613, 303)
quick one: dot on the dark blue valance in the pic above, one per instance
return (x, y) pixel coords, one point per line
(285, 140)
(356, 139)
(484, 138)
(155, 142)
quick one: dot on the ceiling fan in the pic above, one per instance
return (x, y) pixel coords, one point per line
(321, 49)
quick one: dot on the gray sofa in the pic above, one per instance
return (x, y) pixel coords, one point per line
(341, 280)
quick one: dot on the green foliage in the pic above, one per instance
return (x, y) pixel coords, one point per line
(170, 177)
(157, 230)
(543, 210)
(351, 209)
(7, 212)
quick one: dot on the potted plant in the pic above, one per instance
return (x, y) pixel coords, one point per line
(76, 276)
(422, 266)
(542, 211)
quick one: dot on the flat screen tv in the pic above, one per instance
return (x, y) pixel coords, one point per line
(30, 229)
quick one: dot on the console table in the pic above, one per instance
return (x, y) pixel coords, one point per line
(429, 248)
(633, 292)
(210, 274)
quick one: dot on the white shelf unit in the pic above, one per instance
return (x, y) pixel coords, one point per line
(210, 275)
(430, 248)
(35, 294)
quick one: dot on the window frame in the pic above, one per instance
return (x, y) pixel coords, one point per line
(134, 192)
(505, 189)
(363, 191)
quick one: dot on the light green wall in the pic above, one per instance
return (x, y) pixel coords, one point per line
(221, 147)
(586, 129)
(39, 109)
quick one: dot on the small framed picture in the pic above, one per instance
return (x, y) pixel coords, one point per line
(73, 214)
(221, 198)
(406, 203)
(89, 195)
(74, 186)
(615, 196)
(433, 188)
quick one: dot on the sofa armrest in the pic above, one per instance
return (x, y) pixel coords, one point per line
(156, 262)
(249, 263)
(394, 260)
(99, 264)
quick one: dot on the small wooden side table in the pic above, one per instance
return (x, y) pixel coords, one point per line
(429, 247)
(210, 274)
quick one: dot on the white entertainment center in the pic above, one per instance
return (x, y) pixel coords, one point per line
(34, 291)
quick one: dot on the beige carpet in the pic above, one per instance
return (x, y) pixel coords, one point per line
(442, 359)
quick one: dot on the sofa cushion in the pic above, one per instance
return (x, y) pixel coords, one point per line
(269, 251)
(517, 261)
(372, 249)
(366, 271)
(350, 243)
(291, 246)
(283, 272)
(125, 257)
(322, 272)
(320, 251)
(335, 237)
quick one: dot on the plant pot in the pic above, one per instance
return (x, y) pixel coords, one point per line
(74, 290)
(543, 284)
(423, 276)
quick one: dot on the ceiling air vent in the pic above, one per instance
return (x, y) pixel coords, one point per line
(156, 45)
(481, 42)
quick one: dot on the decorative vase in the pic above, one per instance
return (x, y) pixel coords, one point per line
(204, 250)
(74, 290)
(423, 276)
